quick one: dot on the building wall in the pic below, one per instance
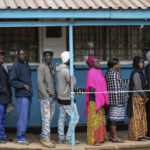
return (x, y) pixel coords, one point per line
(58, 45)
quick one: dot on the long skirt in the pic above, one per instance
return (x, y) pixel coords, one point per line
(137, 123)
(96, 129)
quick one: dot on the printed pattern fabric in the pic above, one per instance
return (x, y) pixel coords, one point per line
(96, 129)
(138, 122)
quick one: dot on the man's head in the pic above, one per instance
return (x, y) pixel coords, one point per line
(48, 55)
(21, 55)
(2, 56)
(65, 56)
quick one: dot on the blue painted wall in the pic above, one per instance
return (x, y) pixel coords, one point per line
(80, 73)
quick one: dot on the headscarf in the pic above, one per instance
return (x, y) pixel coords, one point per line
(148, 56)
(65, 56)
(90, 61)
(136, 61)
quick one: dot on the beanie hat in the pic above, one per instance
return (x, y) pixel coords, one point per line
(47, 50)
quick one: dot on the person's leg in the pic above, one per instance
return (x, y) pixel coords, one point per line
(61, 123)
(2, 121)
(45, 114)
(23, 106)
(52, 108)
(113, 132)
(75, 119)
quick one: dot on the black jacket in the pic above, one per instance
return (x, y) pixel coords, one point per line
(5, 90)
(20, 76)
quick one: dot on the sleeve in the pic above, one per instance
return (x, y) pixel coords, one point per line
(123, 88)
(40, 79)
(67, 77)
(148, 76)
(13, 79)
(137, 84)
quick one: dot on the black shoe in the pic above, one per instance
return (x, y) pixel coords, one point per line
(146, 138)
(2, 141)
(139, 139)
(8, 140)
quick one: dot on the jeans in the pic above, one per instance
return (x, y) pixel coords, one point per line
(47, 112)
(23, 112)
(64, 111)
(2, 121)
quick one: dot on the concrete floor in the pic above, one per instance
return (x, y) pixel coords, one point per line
(35, 144)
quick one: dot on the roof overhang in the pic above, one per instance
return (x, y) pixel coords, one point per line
(74, 14)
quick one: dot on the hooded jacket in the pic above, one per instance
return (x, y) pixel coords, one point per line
(64, 81)
(46, 82)
(147, 70)
(5, 91)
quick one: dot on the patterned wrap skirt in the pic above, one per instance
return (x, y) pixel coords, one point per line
(116, 113)
(96, 129)
(137, 123)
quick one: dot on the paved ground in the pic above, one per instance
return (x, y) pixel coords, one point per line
(35, 144)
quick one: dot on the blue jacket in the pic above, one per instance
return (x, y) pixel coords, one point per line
(20, 76)
(5, 91)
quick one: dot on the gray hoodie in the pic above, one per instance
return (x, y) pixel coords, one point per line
(63, 77)
(46, 82)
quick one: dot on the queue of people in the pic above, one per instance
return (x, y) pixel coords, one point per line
(105, 95)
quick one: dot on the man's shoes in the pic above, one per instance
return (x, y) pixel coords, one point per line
(69, 142)
(25, 142)
(5, 140)
(48, 144)
(60, 141)
(2, 141)
(8, 140)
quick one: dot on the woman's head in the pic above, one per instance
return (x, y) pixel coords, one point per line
(138, 62)
(92, 61)
(113, 63)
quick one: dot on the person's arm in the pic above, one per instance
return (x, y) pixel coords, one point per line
(67, 77)
(138, 85)
(13, 79)
(40, 79)
(148, 76)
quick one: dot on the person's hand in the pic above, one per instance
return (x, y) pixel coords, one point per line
(26, 87)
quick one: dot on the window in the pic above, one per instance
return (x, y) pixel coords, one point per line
(123, 42)
(11, 39)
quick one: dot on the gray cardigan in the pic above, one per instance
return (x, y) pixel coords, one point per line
(46, 82)
(138, 86)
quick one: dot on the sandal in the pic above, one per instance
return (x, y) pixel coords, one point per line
(98, 144)
(118, 140)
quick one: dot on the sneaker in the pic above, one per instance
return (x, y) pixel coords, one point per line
(25, 142)
(47, 144)
(2, 141)
(69, 142)
(60, 141)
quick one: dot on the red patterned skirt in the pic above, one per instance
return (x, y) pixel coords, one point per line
(96, 129)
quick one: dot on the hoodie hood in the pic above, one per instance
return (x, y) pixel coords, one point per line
(60, 66)
(148, 56)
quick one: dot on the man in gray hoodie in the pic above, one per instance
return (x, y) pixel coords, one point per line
(64, 100)
(47, 94)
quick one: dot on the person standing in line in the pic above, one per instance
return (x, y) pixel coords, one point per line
(147, 72)
(5, 96)
(95, 103)
(116, 109)
(47, 95)
(63, 77)
(136, 109)
(20, 79)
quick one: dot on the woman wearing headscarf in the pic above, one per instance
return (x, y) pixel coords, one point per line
(136, 105)
(117, 101)
(95, 103)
